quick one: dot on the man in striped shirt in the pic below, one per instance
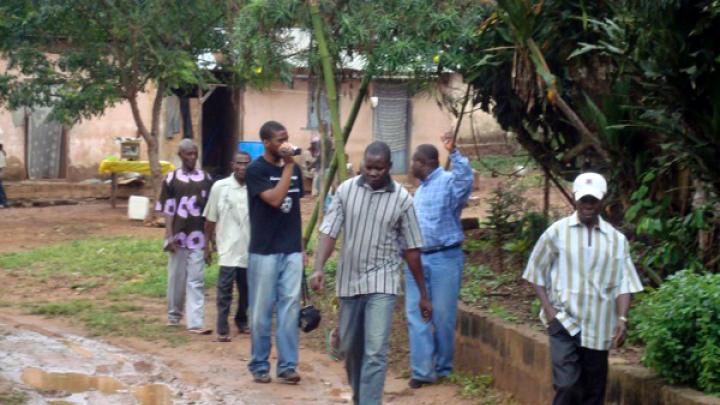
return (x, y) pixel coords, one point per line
(377, 219)
(583, 274)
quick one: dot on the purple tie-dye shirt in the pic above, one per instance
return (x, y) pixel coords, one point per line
(183, 196)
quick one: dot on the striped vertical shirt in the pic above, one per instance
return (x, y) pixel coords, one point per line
(583, 276)
(376, 226)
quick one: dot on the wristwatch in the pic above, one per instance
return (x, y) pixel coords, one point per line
(622, 318)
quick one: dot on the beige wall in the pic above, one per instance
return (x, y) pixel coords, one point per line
(13, 140)
(289, 107)
(87, 142)
(90, 141)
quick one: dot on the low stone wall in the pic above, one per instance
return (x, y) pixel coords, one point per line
(32, 190)
(519, 360)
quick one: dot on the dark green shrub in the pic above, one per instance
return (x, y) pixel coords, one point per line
(680, 325)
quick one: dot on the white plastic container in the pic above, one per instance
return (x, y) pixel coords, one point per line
(138, 207)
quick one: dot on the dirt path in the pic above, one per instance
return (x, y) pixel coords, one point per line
(206, 371)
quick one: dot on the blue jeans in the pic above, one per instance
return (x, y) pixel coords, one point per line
(274, 283)
(364, 327)
(432, 343)
(3, 197)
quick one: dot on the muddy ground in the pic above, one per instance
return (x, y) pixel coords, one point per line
(201, 371)
(43, 357)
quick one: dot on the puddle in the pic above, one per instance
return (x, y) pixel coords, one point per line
(154, 394)
(68, 369)
(70, 382)
(53, 383)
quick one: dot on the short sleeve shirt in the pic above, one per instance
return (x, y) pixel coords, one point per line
(583, 276)
(273, 230)
(228, 208)
(377, 225)
(183, 197)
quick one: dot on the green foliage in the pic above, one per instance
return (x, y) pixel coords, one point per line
(472, 386)
(502, 313)
(532, 226)
(667, 242)
(473, 288)
(81, 57)
(507, 208)
(407, 37)
(643, 78)
(680, 325)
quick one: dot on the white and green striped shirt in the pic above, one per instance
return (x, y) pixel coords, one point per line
(583, 277)
(377, 225)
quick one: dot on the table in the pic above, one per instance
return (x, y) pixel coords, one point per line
(113, 167)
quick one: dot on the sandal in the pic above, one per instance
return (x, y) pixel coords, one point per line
(200, 331)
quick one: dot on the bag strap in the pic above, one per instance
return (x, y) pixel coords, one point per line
(304, 289)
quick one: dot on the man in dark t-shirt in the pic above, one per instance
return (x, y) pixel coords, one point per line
(275, 268)
(182, 200)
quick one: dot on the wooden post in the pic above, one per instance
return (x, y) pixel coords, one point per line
(113, 188)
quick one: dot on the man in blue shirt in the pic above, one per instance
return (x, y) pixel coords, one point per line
(438, 203)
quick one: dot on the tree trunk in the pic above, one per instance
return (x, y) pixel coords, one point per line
(151, 137)
(362, 92)
(330, 90)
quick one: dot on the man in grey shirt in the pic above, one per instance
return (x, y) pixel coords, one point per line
(377, 219)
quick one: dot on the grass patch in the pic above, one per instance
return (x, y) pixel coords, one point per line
(124, 266)
(105, 277)
(113, 319)
(502, 164)
(502, 313)
(106, 322)
(68, 308)
(13, 397)
(479, 387)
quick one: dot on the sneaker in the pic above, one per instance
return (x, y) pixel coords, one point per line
(261, 377)
(173, 323)
(289, 377)
(200, 331)
(223, 338)
(415, 384)
(243, 330)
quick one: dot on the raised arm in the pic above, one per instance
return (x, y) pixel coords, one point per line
(275, 196)
(462, 173)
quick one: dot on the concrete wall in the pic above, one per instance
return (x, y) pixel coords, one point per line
(90, 141)
(87, 142)
(519, 360)
(289, 106)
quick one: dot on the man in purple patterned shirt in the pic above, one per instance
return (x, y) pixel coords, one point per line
(182, 200)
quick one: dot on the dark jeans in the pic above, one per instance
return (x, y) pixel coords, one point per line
(579, 374)
(226, 278)
(3, 197)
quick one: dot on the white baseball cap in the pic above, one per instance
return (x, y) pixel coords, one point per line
(589, 184)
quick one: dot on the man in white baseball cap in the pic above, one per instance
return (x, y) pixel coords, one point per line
(583, 275)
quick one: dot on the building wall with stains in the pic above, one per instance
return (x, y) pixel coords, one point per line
(86, 142)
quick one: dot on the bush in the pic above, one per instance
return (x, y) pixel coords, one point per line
(680, 325)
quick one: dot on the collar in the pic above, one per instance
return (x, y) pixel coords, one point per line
(432, 175)
(195, 171)
(235, 183)
(601, 226)
(390, 187)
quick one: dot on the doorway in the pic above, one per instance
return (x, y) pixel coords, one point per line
(219, 135)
